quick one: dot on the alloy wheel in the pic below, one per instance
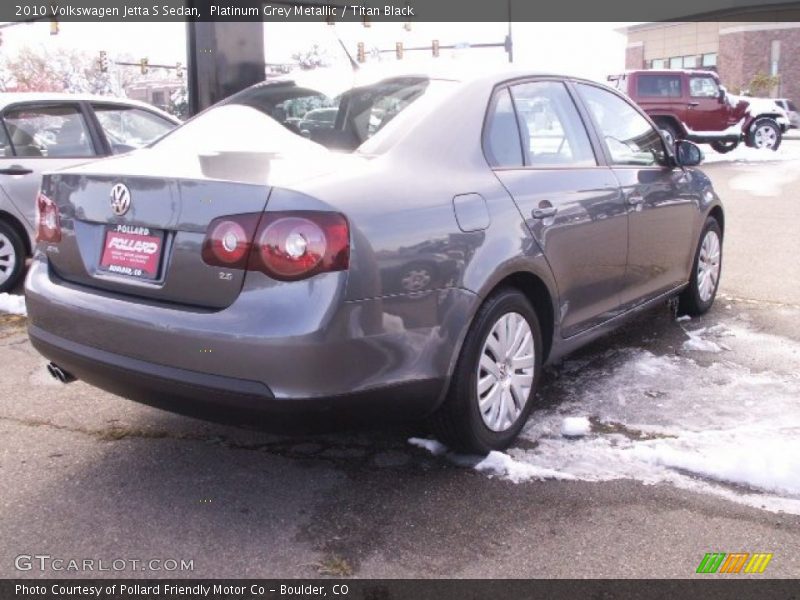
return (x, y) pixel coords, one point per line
(708, 265)
(765, 137)
(505, 371)
(8, 258)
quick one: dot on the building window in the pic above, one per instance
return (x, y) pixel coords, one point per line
(775, 58)
(676, 62)
(690, 62)
(710, 60)
(659, 63)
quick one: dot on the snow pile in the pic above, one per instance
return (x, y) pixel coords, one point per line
(762, 463)
(501, 464)
(575, 427)
(14, 305)
(723, 429)
(698, 343)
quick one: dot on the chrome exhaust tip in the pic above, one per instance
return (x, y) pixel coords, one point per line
(60, 374)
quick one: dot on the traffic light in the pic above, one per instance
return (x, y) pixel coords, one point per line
(361, 55)
(435, 48)
(54, 27)
(103, 61)
(398, 50)
(144, 66)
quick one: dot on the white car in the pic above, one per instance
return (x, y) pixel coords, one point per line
(791, 110)
(45, 132)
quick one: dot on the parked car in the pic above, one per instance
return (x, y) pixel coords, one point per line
(791, 110)
(693, 105)
(49, 131)
(238, 271)
(319, 118)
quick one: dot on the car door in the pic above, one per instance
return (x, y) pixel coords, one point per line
(541, 151)
(704, 110)
(662, 208)
(126, 128)
(43, 137)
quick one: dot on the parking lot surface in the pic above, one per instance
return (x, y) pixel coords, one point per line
(685, 443)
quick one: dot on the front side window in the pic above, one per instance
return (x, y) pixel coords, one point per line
(628, 136)
(48, 132)
(502, 144)
(703, 87)
(551, 128)
(658, 86)
(128, 128)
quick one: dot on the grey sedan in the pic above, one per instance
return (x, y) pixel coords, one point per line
(424, 257)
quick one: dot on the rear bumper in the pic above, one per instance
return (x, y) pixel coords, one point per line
(227, 399)
(271, 351)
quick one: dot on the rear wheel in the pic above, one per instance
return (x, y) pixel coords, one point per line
(495, 379)
(12, 257)
(765, 134)
(699, 296)
(724, 147)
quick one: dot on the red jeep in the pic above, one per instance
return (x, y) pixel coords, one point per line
(693, 105)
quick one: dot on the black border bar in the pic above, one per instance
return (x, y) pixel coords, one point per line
(332, 11)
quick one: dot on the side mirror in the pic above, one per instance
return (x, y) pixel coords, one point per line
(688, 154)
(722, 93)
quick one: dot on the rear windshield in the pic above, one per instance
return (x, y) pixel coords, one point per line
(341, 123)
(283, 117)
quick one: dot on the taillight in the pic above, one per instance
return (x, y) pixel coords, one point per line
(287, 245)
(47, 220)
(229, 240)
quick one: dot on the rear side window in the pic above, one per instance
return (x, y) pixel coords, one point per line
(49, 132)
(658, 86)
(552, 132)
(628, 136)
(792, 106)
(502, 143)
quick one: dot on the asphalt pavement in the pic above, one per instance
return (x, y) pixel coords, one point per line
(89, 476)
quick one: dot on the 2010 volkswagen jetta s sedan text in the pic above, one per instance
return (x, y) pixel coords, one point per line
(424, 256)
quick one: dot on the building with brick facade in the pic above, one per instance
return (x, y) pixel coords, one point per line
(739, 50)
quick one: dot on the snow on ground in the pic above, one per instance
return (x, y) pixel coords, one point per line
(575, 426)
(12, 304)
(788, 150)
(719, 428)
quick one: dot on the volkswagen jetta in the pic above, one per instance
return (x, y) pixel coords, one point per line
(425, 256)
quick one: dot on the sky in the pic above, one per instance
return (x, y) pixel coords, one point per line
(591, 50)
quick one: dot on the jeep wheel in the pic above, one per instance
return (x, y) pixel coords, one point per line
(724, 147)
(765, 134)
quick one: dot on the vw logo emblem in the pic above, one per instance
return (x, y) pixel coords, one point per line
(120, 199)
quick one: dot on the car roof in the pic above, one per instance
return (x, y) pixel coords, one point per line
(9, 98)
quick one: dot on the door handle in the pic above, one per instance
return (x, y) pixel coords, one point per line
(15, 170)
(545, 210)
(692, 104)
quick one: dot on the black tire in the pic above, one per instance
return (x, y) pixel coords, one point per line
(761, 123)
(724, 147)
(458, 422)
(690, 301)
(15, 245)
